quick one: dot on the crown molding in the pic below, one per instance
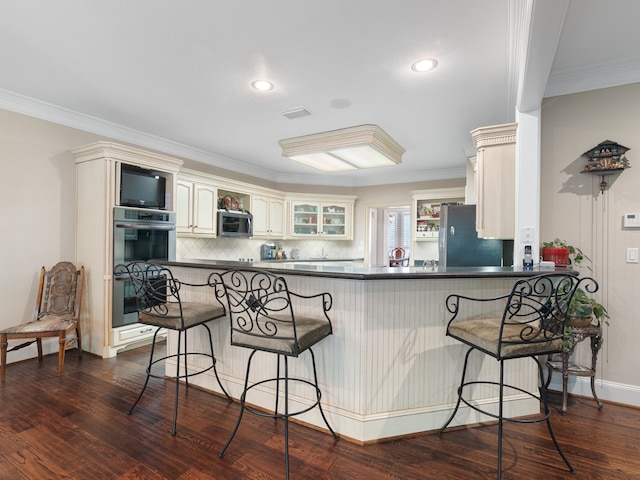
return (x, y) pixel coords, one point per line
(62, 116)
(52, 113)
(593, 77)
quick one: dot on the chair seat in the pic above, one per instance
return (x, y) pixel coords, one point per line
(485, 334)
(48, 323)
(193, 314)
(310, 331)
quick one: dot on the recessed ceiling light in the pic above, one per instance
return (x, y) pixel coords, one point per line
(262, 85)
(424, 65)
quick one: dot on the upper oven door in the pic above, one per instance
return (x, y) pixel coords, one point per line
(142, 241)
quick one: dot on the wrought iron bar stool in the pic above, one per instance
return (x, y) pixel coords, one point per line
(159, 304)
(530, 322)
(263, 319)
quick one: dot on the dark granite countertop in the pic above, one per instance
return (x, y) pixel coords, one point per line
(362, 271)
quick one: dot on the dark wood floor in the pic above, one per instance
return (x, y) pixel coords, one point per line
(76, 427)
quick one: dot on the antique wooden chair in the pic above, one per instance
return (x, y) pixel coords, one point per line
(526, 323)
(159, 304)
(398, 258)
(263, 318)
(57, 314)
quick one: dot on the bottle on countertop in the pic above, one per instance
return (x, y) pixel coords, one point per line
(527, 261)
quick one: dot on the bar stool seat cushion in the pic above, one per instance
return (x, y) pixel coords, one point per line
(485, 334)
(309, 331)
(192, 314)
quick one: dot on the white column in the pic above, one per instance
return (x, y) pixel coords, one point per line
(527, 221)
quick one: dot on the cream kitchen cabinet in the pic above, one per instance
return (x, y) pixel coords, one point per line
(495, 185)
(98, 168)
(268, 216)
(425, 220)
(333, 220)
(196, 208)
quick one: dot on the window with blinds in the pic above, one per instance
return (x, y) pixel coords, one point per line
(399, 230)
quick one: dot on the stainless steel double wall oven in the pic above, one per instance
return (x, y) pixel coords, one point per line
(138, 235)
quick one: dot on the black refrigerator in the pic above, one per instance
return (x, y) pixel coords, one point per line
(459, 245)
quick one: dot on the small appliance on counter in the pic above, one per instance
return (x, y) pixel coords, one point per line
(268, 251)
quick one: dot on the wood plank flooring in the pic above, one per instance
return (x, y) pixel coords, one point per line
(76, 427)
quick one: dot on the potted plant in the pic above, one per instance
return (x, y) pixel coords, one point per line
(561, 253)
(581, 313)
(583, 308)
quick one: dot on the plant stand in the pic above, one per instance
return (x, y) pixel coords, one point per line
(563, 365)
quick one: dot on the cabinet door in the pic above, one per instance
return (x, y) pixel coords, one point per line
(276, 218)
(184, 207)
(335, 220)
(260, 211)
(268, 216)
(204, 209)
(305, 218)
(495, 208)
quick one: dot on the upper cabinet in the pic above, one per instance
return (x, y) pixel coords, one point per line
(425, 210)
(268, 216)
(327, 216)
(196, 208)
(495, 185)
(276, 214)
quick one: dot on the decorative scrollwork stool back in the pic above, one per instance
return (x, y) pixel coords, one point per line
(531, 323)
(57, 314)
(262, 318)
(159, 304)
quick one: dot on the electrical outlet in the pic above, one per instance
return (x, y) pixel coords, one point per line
(526, 235)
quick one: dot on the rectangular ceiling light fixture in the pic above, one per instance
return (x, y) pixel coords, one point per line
(364, 146)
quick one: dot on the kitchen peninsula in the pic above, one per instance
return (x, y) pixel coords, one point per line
(388, 369)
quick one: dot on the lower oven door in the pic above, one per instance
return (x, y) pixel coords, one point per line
(133, 242)
(125, 310)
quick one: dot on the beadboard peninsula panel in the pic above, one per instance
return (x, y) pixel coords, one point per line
(388, 369)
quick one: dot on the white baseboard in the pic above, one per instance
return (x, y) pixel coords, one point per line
(610, 391)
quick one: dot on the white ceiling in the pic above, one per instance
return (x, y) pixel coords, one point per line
(175, 75)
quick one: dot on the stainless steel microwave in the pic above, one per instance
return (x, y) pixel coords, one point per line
(235, 224)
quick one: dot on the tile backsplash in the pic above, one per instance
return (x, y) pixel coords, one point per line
(249, 248)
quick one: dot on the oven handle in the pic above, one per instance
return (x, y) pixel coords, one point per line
(138, 226)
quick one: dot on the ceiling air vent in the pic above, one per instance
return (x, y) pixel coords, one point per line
(296, 113)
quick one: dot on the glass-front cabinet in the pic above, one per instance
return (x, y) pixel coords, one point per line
(332, 220)
(305, 219)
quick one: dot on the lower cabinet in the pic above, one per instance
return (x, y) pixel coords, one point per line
(135, 333)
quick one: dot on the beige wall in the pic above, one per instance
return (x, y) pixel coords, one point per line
(573, 209)
(38, 205)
